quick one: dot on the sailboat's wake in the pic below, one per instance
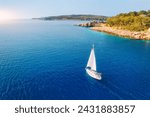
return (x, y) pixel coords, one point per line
(104, 86)
(110, 90)
(118, 90)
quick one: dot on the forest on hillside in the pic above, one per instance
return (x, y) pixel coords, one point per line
(133, 21)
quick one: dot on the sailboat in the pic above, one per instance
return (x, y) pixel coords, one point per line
(91, 66)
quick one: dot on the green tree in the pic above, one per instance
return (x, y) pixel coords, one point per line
(133, 21)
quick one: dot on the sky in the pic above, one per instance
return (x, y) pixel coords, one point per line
(39, 8)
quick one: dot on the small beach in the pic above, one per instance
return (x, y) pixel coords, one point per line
(143, 35)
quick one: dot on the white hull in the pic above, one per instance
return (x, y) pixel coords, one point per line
(93, 74)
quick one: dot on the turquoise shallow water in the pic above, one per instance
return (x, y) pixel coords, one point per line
(47, 59)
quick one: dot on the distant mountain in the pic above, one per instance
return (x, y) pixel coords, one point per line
(74, 17)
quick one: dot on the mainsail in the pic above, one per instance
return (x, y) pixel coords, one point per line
(92, 60)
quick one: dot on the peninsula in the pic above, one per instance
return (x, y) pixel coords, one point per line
(74, 17)
(134, 25)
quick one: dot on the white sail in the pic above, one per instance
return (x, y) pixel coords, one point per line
(91, 66)
(92, 60)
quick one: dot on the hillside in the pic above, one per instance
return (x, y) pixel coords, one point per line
(74, 17)
(135, 25)
(133, 21)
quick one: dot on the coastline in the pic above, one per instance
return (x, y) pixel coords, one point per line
(141, 35)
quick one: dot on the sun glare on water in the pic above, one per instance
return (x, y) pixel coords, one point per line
(6, 16)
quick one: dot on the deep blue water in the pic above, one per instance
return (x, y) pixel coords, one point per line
(47, 59)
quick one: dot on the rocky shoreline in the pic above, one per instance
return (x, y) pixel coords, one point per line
(90, 24)
(141, 35)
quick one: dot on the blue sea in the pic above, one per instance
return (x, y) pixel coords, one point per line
(46, 60)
